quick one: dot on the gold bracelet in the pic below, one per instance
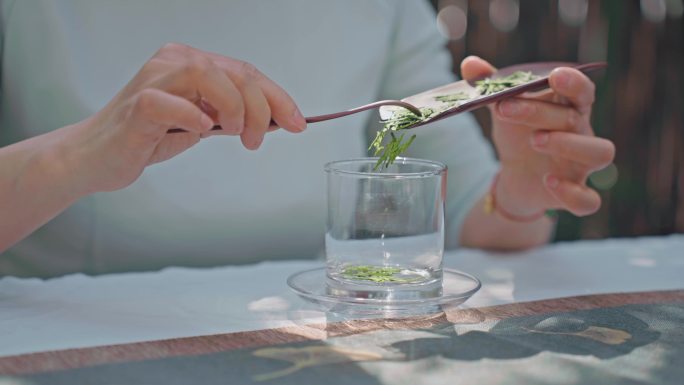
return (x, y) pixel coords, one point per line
(490, 206)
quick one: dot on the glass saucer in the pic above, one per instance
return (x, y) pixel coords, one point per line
(311, 285)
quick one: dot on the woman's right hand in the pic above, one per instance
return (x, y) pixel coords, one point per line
(179, 86)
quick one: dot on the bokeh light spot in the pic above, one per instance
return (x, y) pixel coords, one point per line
(653, 10)
(452, 22)
(675, 8)
(504, 14)
(606, 178)
(573, 12)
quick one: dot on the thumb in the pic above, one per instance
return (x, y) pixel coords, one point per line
(474, 67)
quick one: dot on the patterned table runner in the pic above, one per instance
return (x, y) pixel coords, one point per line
(611, 338)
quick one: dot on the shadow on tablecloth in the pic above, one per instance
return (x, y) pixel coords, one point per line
(628, 344)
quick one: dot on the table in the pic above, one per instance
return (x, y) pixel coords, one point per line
(581, 312)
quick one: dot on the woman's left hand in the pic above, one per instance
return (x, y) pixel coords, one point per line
(546, 145)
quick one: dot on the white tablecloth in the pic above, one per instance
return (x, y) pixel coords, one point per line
(82, 311)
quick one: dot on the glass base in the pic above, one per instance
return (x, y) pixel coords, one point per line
(395, 292)
(316, 287)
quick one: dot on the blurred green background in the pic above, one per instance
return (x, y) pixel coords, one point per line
(640, 97)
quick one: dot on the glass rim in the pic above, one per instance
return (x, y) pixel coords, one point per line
(438, 168)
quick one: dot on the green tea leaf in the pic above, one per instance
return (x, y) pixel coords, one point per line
(489, 86)
(403, 119)
(375, 274)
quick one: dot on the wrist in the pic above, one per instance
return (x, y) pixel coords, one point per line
(512, 197)
(63, 156)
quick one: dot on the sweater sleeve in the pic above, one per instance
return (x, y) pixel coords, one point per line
(419, 61)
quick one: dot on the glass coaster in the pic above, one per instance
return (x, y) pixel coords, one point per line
(313, 286)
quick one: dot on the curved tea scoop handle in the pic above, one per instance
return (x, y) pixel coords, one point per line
(335, 115)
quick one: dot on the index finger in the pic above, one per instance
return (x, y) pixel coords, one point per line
(284, 110)
(575, 86)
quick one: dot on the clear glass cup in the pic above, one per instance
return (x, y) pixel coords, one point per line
(385, 228)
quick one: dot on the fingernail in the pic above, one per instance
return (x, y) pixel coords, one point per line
(206, 122)
(551, 181)
(540, 138)
(298, 120)
(257, 142)
(562, 79)
(510, 108)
